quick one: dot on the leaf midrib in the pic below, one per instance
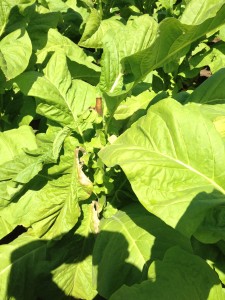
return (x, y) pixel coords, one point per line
(189, 167)
(130, 236)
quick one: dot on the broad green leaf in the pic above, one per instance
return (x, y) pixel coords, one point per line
(13, 142)
(75, 277)
(49, 209)
(69, 263)
(214, 59)
(173, 41)
(215, 113)
(36, 264)
(84, 73)
(50, 206)
(82, 8)
(96, 29)
(65, 164)
(222, 32)
(163, 156)
(24, 165)
(58, 141)
(210, 91)
(219, 268)
(5, 227)
(132, 239)
(219, 124)
(57, 5)
(39, 34)
(15, 52)
(196, 12)
(7, 9)
(211, 229)
(209, 99)
(92, 25)
(18, 266)
(214, 256)
(22, 168)
(61, 44)
(60, 98)
(16, 173)
(137, 35)
(132, 104)
(180, 275)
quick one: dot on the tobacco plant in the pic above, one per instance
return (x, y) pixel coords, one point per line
(112, 149)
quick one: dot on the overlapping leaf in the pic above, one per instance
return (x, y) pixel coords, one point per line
(61, 44)
(54, 197)
(60, 98)
(137, 35)
(178, 269)
(96, 29)
(211, 91)
(173, 156)
(211, 229)
(132, 238)
(132, 104)
(169, 156)
(74, 276)
(8, 8)
(60, 267)
(13, 142)
(18, 266)
(173, 42)
(27, 154)
(197, 12)
(209, 99)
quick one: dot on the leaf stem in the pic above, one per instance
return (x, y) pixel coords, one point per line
(100, 7)
(109, 121)
(81, 133)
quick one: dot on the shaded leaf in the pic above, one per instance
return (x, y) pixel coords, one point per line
(57, 42)
(7, 9)
(178, 269)
(132, 239)
(211, 229)
(17, 268)
(210, 91)
(75, 277)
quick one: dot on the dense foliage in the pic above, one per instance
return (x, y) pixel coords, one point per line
(112, 149)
